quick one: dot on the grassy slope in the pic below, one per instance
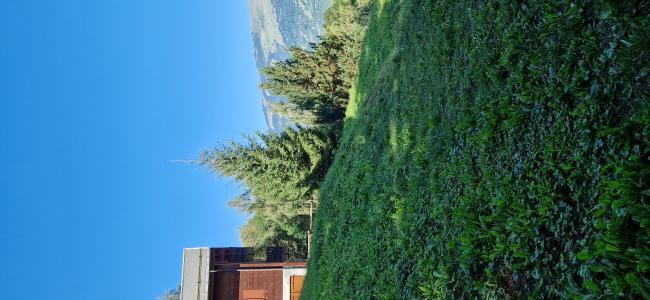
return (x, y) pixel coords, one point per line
(491, 150)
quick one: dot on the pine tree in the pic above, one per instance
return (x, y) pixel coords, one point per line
(277, 212)
(284, 168)
(317, 80)
(294, 114)
(280, 171)
(263, 230)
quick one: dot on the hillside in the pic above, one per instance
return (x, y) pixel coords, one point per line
(492, 151)
(276, 26)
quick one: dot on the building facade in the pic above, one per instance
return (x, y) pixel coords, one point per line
(232, 273)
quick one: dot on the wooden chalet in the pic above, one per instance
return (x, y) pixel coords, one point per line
(231, 273)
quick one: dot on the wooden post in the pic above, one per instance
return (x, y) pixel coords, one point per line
(309, 232)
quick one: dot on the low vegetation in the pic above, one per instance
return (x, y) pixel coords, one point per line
(491, 150)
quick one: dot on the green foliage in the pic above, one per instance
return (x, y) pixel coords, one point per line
(348, 17)
(269, 229)
(316, 81)
(174, 294)
(280, 172)
(492, 150)
(294, 114)
(287, 167)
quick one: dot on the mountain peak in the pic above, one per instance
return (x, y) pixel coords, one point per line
(276, 26)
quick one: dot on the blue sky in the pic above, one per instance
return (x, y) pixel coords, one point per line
(95, 98)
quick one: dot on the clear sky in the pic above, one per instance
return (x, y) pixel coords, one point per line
(95, 98)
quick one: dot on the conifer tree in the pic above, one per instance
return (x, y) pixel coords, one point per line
(280, 171)
(317, 80)
(285, 169)
(294, 113)
(262, 230)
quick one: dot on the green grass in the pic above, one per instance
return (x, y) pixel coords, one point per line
(492, 150)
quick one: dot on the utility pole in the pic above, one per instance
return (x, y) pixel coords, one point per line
(311, 224)
(309, 232)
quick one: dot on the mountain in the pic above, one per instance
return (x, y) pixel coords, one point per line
(276, 26)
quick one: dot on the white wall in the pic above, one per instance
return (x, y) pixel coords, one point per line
(287, 272)
(196, 274)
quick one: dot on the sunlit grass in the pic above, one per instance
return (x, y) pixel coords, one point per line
(491, 151)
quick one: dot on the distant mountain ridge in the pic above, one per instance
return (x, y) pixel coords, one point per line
(276, 26)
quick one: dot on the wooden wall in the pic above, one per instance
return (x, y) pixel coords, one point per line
(229, 285)
(224, 285)
(270, 281)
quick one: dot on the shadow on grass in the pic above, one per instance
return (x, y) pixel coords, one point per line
(478, 162)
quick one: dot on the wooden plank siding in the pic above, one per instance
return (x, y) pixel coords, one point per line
(256, 265)
(224, 285)
(270, 281)
(273, 265)
(234, 276)
(246, 285)
(296, 286)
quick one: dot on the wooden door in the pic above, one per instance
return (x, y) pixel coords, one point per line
(253, 294)
(296, 286)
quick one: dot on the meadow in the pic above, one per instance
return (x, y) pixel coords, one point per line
(491, 149)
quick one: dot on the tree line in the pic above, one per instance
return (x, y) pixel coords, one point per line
(281, 171)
